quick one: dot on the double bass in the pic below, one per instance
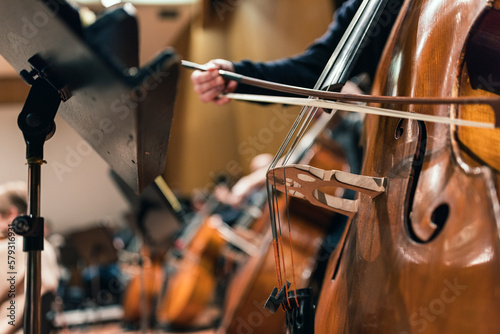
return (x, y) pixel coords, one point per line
(423, 255)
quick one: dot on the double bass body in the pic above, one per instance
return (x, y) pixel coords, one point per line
(423, 257)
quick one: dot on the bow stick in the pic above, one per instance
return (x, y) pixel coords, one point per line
(327, 104)
(493, 102)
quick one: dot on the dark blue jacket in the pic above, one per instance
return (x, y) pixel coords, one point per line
(304, 69)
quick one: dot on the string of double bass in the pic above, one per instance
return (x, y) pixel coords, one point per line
(299, 128)
(335, 72)
(275, 220)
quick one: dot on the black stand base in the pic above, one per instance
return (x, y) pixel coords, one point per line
(300, 319)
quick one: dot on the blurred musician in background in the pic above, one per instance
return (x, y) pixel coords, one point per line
(13, 203)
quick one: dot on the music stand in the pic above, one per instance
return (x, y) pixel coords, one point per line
(123, 112)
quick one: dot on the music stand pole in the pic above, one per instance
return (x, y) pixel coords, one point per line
(32, 307)
(36, 121)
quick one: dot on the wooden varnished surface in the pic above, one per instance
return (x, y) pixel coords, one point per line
(423, 256)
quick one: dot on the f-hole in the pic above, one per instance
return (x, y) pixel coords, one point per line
(440, 214)
(399, 129)
(416, 168)
(439, 217)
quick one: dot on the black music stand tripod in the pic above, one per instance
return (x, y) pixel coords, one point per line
(36, 121)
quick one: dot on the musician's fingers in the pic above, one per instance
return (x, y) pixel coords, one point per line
(217, 83)
(211, 94)
(221, 64)
(200, 77)
(231, 86)
(209, 84)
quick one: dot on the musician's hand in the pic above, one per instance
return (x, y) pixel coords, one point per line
(256, 179)
(245, 186)
(209, 84)
(239, 193)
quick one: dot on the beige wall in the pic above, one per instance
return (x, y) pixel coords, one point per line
(74, 197)
(206, 138)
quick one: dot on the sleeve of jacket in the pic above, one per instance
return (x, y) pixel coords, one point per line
(304, 69)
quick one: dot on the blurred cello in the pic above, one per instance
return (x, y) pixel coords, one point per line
(140, 296)
(196, 268)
